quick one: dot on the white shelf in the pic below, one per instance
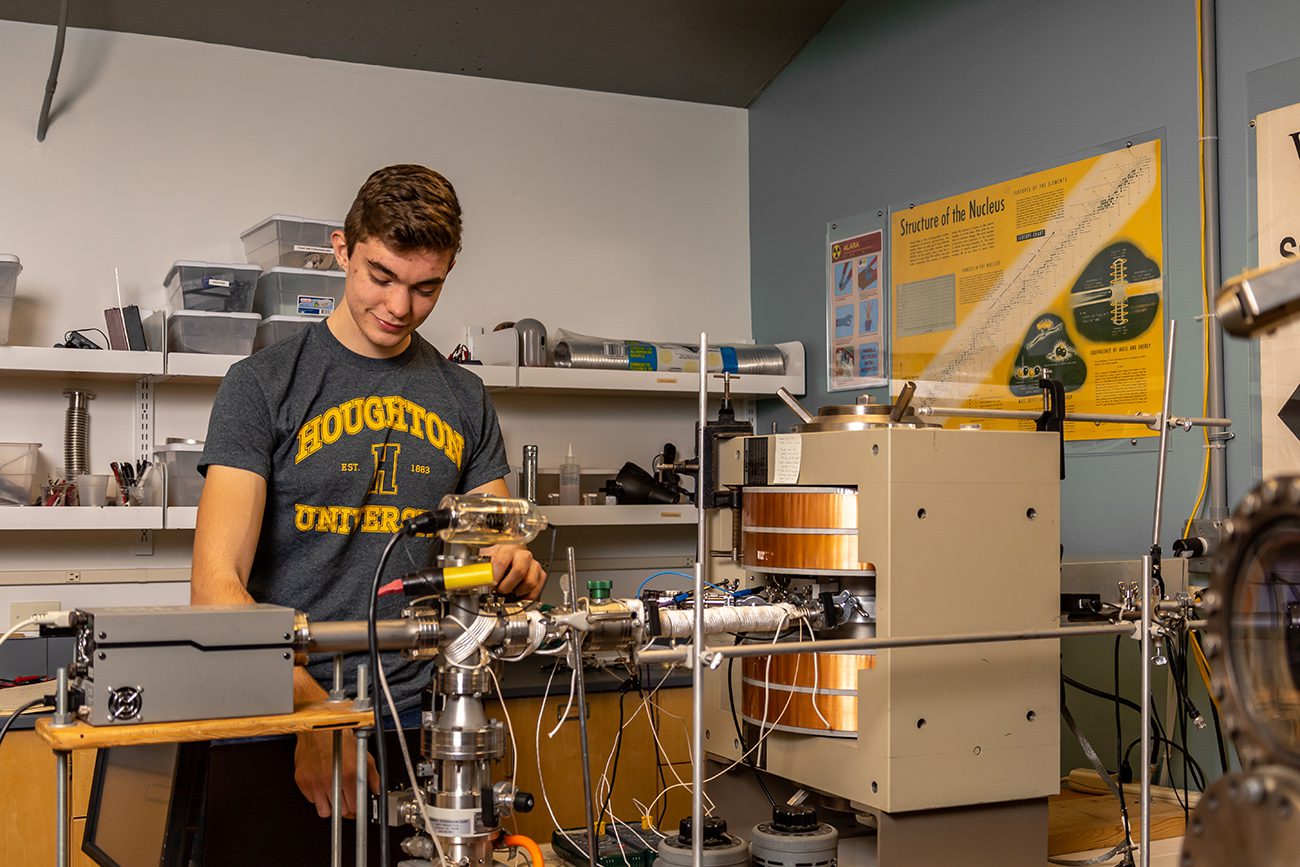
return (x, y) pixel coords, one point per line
(495, 376)
(81, 517)
(619, 516)
(199, 367)
(100, 364)
(180, 517)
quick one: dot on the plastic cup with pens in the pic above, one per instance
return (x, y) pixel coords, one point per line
(131, 477)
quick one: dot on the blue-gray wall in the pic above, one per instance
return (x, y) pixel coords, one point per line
(904, 102)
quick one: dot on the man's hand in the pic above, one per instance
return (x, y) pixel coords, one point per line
(314, 771)
(516, 571)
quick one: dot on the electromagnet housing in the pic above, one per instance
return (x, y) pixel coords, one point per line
(958, 532)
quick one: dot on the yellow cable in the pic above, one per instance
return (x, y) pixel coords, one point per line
(1204, 665)
(1205, 303)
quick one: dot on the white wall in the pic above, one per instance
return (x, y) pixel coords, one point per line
(601, 213)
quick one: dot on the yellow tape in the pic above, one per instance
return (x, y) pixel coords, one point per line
(473, 575)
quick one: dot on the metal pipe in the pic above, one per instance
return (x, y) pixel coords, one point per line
(580, 689)
(1218, 485)
(1144, 836)
(1144, 419)
(63, 811)
(697, 668)
(348, 636)
(43, 123)
(363, 791)
(336, 791)
(841, 645)
(795, 406)
(1162, 458)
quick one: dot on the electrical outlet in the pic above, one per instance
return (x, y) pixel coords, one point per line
(20, 611)
(72, 577)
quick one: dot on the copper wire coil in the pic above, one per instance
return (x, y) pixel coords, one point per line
(796, 552)
(833, 672)
(793, 711)
(820, 508)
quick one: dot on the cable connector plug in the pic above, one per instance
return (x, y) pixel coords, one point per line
(53, 618)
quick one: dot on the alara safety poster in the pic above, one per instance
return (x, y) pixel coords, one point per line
(1061, 271)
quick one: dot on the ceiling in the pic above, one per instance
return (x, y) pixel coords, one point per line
(722, 52)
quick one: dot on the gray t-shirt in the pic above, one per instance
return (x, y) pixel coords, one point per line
(349, 446)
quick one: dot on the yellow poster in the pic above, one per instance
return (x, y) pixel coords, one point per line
(1060, 271)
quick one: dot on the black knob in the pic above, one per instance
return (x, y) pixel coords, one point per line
(715, 830)
(794, 818)
(523, 802)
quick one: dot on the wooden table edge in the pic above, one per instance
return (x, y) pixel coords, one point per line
(315, 716)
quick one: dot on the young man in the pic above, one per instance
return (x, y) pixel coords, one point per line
(320, 445)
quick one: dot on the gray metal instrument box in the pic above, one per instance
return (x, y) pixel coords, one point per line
(164, 664)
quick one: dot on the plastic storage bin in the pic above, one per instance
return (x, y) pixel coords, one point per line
(180, 464)
(273, 329)
(9, 268)
(298, 292)
(17, 472)
(211, 333)
(211, 286)
(291, 242)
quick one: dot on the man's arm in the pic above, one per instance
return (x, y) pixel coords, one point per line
(225, 536)
(225, 540)
(515, 569)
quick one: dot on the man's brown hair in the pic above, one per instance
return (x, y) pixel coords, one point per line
(407, 207)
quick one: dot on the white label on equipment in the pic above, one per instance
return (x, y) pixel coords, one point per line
(307, 248)
(449, 822)
(786, 455)
(214, 281)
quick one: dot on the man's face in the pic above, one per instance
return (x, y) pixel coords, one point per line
(387, 294)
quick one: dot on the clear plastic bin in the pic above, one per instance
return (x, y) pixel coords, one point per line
(211, 286)
(9, 268)
(180, 464)
(291, 242)
(17, 472)
(273, 329)
(211, 333)
(298, 292)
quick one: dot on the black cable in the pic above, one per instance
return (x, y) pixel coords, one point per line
(618, 750)
(1182, 726)
(1218, 731)
(372, 636)
(36, 702)
(1157, 730)
(1119, 746)
(1198, 773)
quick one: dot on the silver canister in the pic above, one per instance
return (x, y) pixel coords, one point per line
(528, 476)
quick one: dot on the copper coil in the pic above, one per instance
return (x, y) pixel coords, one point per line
(820, 509)
(794, 711)
(833, 672)
(795, 552)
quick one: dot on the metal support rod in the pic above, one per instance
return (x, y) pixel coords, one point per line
(844, 645)
(697, 667)
(580, 690)
(363, 791)
(1162, 458)
(1144, 419)
(63, 807)
(43, 122)
(336, 794)
(1144, 837)
(1218, 485)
